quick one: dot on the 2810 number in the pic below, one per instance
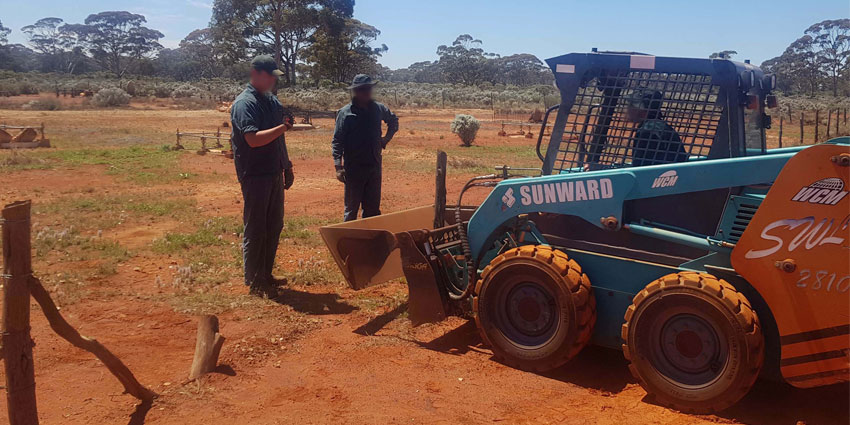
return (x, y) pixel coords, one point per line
(823, 280)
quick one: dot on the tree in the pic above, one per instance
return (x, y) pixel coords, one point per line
(832, 37)
(723, 54)
(521, 69)
(4, 34)
(464, 62)
(44, 36)
(117, 39)
(282, 28)
(797, 69)
(59, 48)
(340, 55)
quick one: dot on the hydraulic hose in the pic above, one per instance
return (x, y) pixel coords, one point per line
(471, 271)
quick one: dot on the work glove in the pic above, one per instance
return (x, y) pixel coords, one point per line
(340, 174)
(384, 142)
(288, 178)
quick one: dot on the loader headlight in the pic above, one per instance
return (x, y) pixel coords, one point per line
(769, 82)
(747, 80)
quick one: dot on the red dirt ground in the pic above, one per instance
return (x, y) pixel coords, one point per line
(340, 364)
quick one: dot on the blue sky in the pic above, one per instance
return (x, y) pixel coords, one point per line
(758, 30)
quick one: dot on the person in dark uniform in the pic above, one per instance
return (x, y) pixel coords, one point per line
(264, 172)
(654, 141)
(357, 145)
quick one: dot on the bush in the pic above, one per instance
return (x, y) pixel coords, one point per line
(466, 127)
(43, 104)
(185, 90)
(111, 96)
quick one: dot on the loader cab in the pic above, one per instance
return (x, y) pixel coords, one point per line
(687, 110)
(698, 109)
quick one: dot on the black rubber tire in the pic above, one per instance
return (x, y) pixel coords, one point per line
(574, 306)
(724, 310)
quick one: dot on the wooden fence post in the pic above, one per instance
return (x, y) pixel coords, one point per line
(837, 116)
(817, 125)
(828, 122)
(17, 344)
(802, 125)
(207, 346)
(781, 121)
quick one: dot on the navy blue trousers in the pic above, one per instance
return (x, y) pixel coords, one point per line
(262, 216)
(362, 190)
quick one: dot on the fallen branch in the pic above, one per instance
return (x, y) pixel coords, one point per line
(66, 331)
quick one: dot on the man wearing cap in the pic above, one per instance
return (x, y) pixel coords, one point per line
(654, 141)
(357, 145)
(264, 172)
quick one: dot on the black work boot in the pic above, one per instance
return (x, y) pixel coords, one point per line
(277, 282)
(263, 290)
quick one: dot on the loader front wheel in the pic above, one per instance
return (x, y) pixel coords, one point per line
(694, 342)
(534, 307)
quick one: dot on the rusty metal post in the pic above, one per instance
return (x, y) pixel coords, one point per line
(440, 191)
(17, 343)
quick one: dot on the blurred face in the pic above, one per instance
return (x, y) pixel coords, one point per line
(262, 80)
(363, 94)
(635, 114)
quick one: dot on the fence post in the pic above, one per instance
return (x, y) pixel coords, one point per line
(17, 344)
(802, 125)
(781, 121)
(837, 116)
(828, 122)
(817, 125)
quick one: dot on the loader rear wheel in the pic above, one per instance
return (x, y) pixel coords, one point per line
(534, 307)
(693, 341)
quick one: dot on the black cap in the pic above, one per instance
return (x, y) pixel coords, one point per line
(266, 63)
(361, 80)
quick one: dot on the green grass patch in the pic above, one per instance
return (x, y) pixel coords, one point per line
(211, 233)
(138, 164)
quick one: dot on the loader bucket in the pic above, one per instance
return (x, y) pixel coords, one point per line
(366, 250)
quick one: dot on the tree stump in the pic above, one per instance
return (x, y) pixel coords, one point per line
(207, 346)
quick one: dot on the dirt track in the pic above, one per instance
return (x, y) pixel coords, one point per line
(323, 353)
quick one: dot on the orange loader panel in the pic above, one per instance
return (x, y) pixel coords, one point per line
(796, 253)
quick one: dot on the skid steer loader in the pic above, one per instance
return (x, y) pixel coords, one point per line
(658, 223)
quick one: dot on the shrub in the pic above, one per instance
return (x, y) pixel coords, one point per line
(43, 104)
(184, 91)
(466, 127)
(111, 96)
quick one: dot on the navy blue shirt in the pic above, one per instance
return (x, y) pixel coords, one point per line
(357, 138)
(253, 111)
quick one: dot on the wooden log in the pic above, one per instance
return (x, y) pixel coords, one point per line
(66, 331)
(17, 344)
(207, 346)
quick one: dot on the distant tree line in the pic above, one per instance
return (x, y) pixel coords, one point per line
(319, 43)
(466, 62)
(819, 61)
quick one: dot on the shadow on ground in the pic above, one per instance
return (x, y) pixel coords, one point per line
(138, 415)
(605, 369)
(312, 303)
(373, 326)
